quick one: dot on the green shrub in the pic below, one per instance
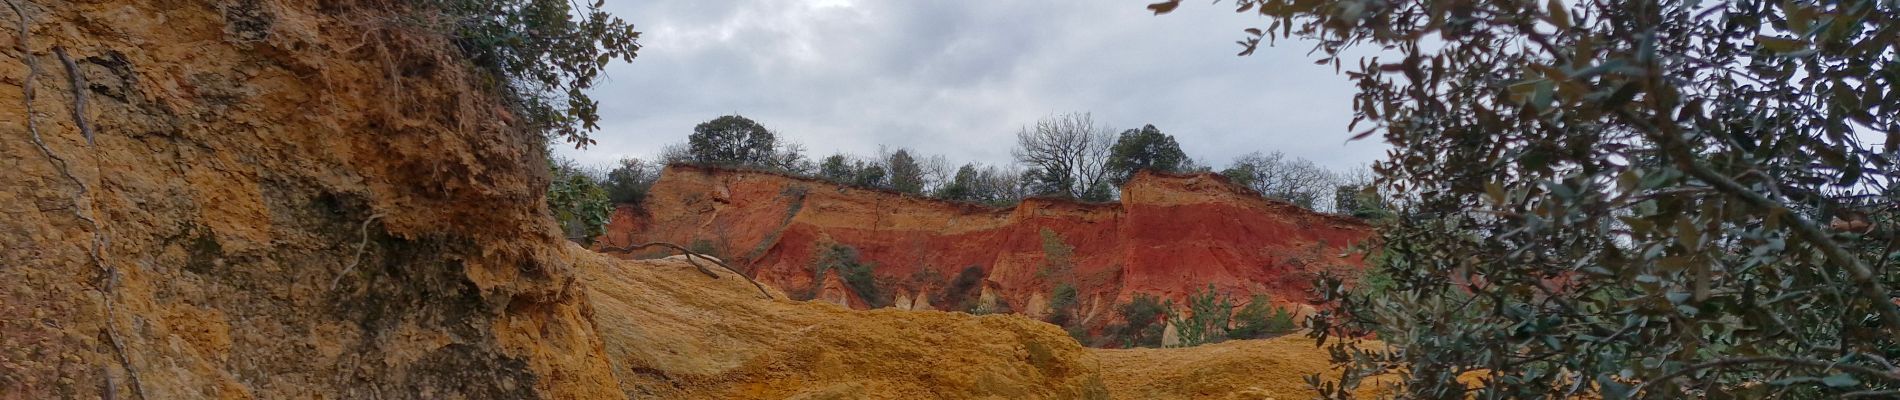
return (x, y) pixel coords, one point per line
(1208, 318)
(1260, 318)
(1058, 257)
(963, 290)
(1062, 305)
(577, 201)
(1139, 325)
(628, 183)
(857, 275)
(540, 55)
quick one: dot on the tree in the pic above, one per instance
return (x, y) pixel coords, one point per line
(906, 174)
(546, 54)
(732, 141)
(961, 188)
(837, 168)
(1067, 155)
(1297, 181)
(1623, 199)
(676, 153)
(870, 175)
(790, 159)
(578, 202)
(1144, 149)
(628, 183)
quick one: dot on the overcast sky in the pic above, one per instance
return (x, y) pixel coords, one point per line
(959, 78)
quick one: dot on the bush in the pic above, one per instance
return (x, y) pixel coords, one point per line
(628, 183)
(1208, 318)
(541, 55)
(963, 290)
(1260, 319)
(578, 203)
(1650, 200)
(1062, 305)
(1138, 326)
(857, 275)
(1058, 257)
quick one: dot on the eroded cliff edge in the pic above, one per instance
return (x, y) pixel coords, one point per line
(277, 199)
(1169, 236)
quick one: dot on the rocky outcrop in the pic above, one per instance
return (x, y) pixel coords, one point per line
(1169, 236)
(673, 333)
(271, 199)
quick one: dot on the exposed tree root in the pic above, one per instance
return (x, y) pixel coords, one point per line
(79, 92)
(108, 275)
(361, 244)
(689, 258)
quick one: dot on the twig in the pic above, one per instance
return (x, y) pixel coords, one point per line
(361, 244)
(1863, 277)
(1871, 393)
(79, 92)
(689, 258)
(109, 276)
(1862, 370)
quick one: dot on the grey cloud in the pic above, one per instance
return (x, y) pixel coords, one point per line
(958, 78)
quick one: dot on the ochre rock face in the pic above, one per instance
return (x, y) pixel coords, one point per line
(674, 333)
(1169, 236)
(271, 199)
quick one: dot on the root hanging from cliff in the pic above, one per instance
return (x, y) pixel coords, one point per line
(78, 83)
(82, 208)
(689, 258)
(361, 244)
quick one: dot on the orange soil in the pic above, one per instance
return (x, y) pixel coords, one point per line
(1169, 236)
(674, 333)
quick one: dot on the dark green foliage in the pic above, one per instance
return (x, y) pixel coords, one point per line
(1144, 149)
(1062, 305)
(1058, 257)
(962, 187)
(1623, 199)
(628, 183)
(732, 141)
(1208, 317)
(1141, 322)
(1360, 202)
(578, 202)
(542, 54)
(837, 168)
(870, 176)
(1260, 319)
(982, 185)
(906, 175)
(857, 275)
(961, 293)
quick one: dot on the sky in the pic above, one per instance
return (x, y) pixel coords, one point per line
(960, 78)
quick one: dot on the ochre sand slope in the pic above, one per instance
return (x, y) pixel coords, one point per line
(672, 332)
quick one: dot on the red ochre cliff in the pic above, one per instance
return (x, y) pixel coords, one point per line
(1169, 236)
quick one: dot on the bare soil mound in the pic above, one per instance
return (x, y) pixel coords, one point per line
(671, 332)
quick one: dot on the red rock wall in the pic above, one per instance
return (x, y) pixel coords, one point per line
(1169, 236)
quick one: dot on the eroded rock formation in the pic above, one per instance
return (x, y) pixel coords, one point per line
(1169, 236)
(270, 199)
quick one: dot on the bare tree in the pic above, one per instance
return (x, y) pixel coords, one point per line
(937, 172)
(1067, 154)
(1273, 175)
(676, 153)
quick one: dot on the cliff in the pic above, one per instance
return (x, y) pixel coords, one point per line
(271, 199)
(300, 199)
(1169, 236)
(673, 333)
